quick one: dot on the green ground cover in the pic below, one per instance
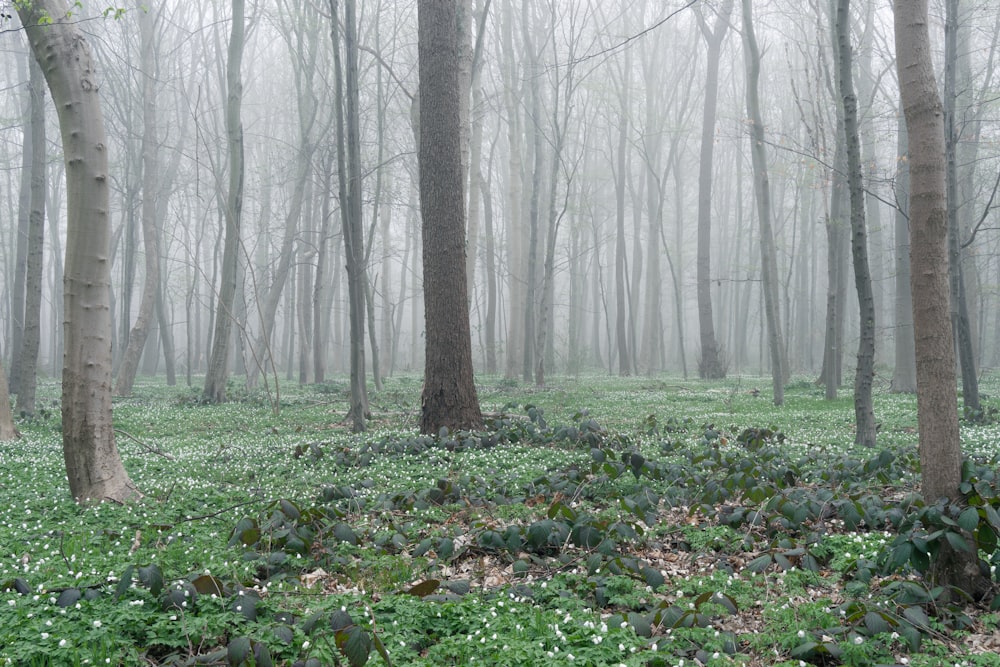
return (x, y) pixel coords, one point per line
(601, 521)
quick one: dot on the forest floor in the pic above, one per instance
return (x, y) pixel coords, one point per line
(598, 521)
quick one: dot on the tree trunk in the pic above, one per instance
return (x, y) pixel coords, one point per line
(449, 395)
(32, 334)
(349, 174)
(8, 431)
(17, 277)
(904, 375)
(762, 191)
(959, 306)
(93, 465)
(937, 411)
(712, 364)
(864, 412)
(150, 191)
(218, 364)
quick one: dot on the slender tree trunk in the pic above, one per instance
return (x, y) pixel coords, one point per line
(864, 412)
(150, 191)
(762, 190)
(349, 170)
(937, 411)
(17, 297)
(8, 431)
(218, 364)
(712, 364)
(959, 306)
(621, 169)
(33, 270)
(93, 465)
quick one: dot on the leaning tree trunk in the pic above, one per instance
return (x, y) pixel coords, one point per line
(762, 191)
(218, 363)
(93, 465)
(864, 412)
(449, 395)
(32, 334)
(150, 190)
(937, 401)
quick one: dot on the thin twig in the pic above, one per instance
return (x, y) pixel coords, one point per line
(148, 448)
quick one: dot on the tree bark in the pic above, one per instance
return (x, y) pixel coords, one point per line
(762, 191)
(449, 395)
(864, 412)
(712, 364)
(349, 171)
(150, 191)
(937, 401)
(218, 364)
(8, 431)
(959, 306)
(904, 374)
(93, 465)
(31, 339)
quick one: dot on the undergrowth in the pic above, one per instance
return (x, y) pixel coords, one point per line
(602, 521)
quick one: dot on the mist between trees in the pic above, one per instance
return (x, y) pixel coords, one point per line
(632, 205)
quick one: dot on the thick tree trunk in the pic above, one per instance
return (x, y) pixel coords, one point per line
(937, 402)
(93, 465)
(218, 364)
(712, 364)
(31, 340)
(762, 191)
(449, 395)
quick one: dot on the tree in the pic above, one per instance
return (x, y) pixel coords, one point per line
(449, 395)
(31, 338)
(937, 399)
(762, 192)
(864, 413)
(712, 365)
(218, 364)
(8, 431)
(904, 374)
(150, 190)
(349, 175)
(93, 465)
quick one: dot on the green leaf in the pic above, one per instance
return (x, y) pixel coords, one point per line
(355, 644)
(653, 577)
(900, 556)
(424, 588)
(340, 620)
(969, 519)
(760, 563)
(68, 597)
(458, 586)
(238, 651)
(345, 533)
(380, 647)
(957, 541)
(262, 656)
(151, 577)
(876, 623)
(125, 582)
(917, 616)
(206, 584)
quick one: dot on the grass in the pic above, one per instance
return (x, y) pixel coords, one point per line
(608, 521)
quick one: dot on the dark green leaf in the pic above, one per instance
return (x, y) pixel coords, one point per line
(68, 597)
(125, 582)
(340, 620)
(458, 586)
(345, 533)
(238, 651)
(206, 584)
(424, 588)
(355, 644)
(969, 519)
(957, 541)
(151, 577)
(760, 563)
(653, 577)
